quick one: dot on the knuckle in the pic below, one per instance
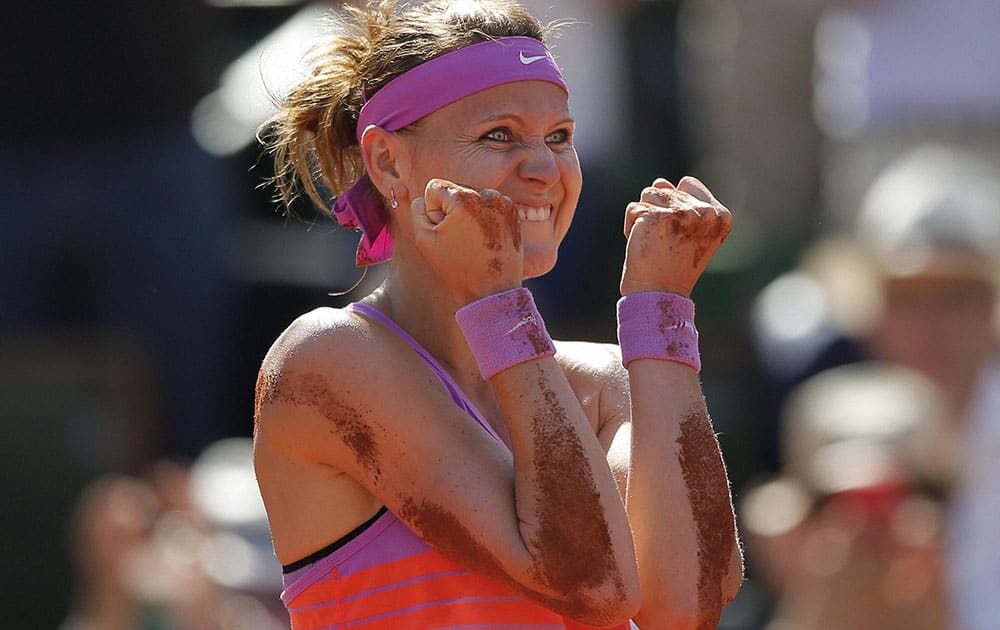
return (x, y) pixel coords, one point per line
(658, 194)
(465, 198)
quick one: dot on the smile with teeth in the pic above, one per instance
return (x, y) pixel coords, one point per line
(533, 213)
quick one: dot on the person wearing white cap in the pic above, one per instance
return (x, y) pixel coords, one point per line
(849, 533)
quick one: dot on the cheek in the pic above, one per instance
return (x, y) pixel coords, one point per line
(573, 185)
(572, 175)
(431, 160)
(468, 166)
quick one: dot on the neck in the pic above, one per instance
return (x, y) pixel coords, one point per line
(426, 311)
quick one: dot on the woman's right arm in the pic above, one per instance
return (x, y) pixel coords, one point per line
(544, 518)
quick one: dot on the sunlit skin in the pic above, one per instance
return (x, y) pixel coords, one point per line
(486, 189)
(941, 327)
(516, 139)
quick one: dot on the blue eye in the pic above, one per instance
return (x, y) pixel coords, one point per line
(497, 135)
(558, 137)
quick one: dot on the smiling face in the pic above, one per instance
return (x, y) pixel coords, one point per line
(515, 138)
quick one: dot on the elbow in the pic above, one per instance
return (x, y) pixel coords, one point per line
(610, 603)
(598, 613)
(618, 603)
(733, 580)
(677, 616)
(677, 607)
(673, 616)
(599, 589)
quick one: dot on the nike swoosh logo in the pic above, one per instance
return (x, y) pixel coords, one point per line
(529, 60)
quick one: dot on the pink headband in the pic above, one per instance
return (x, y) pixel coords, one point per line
(426, 89)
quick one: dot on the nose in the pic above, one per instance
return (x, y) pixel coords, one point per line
(539, 164)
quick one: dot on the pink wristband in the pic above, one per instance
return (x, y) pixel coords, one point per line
(657, 325)
(503, 330)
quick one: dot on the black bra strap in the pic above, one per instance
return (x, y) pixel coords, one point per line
(335, 545)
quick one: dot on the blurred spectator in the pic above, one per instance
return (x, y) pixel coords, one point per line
(112, 523)
(917, 285)
(849, 534)
(240, 558)
(186, 549)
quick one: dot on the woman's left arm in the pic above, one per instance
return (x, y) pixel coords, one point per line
(677, 492)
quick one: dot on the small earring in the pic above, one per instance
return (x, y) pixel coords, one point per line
(392, 199)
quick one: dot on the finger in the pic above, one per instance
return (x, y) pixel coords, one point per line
(491, 196)
(492, 205)
(422, 218)
(662, 196)
(694, 187)
(660, 182)
(632, 212)
(725, 223)
(434, 215)
(500, 203)
(445, 196)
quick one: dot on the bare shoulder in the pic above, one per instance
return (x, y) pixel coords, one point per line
(595, 372)
(310, 338)
(591, 364)
(326, 436)
(327, 361)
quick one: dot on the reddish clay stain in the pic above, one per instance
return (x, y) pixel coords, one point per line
(536, 334)
(442, 528)
(264, 389)
(445, 532)
(494, 215)
(717, 234)
(699, 253)
(513, 222)
(675, 224)
(569, 510)
(705, 476)
(669, 325)
(314, 391)
(495, 266)
(721, 230)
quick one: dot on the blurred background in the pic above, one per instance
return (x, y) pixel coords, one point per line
(849, 324)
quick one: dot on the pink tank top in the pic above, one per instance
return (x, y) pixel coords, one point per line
(383, 575)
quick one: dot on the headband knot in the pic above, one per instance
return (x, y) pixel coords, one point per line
(361, 208)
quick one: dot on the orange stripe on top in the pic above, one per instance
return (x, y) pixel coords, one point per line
(422, 591)
(426, 585)
(387, 577)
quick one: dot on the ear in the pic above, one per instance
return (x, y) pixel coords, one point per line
(386, 160)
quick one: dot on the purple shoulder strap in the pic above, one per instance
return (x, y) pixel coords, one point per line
(449, 383)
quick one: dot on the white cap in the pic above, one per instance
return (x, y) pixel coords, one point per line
(224, 490)
(864, 424)
(935, 211)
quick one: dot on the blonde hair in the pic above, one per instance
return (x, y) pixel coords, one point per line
(312, 136)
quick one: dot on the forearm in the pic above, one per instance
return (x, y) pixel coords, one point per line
(570, 513)
(678, 496)
(678, 501)
(570, 517)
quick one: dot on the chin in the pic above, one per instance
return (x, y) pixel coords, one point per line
(538, 261)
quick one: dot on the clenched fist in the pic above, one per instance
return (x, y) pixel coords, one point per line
(672, 233)
(471, 238)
